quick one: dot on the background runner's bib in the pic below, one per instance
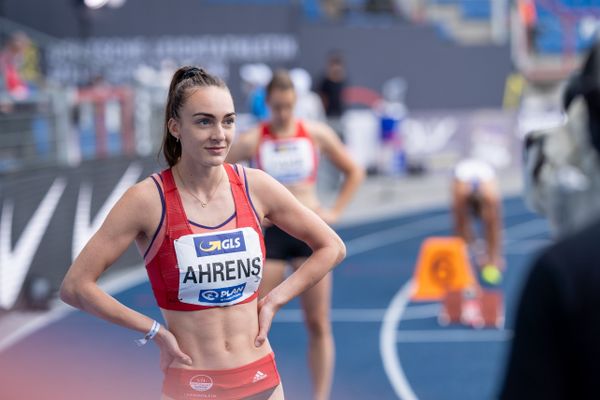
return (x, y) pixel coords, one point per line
(219, 269)
(288, 160)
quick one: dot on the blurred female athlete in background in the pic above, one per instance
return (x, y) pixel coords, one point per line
(288, 149)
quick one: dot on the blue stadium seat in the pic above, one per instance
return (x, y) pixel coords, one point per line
(256, 2)
(579, 4)
(549, 37)
(444, 2)
(312, 9)
(475, 9)
(553, 36)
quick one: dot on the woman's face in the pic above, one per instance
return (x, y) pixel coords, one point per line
(206, 125)
(281, 104)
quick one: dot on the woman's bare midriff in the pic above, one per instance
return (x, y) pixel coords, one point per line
(223, 337)
(217, 338)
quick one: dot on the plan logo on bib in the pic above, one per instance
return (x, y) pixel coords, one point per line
(219, 244)
(222, 295)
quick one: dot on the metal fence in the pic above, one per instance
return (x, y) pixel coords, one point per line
(66, 126)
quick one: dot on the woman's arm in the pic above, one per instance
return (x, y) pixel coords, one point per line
(80, 289)
(136, 213)
(460, 211)
(335, 150)
(277, 204)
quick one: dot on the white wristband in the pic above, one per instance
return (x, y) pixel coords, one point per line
(150, 335)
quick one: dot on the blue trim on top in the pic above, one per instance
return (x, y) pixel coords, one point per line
(162, 215)
(248, 194)
(213, 227)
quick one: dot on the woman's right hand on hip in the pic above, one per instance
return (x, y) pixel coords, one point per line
(169, 350)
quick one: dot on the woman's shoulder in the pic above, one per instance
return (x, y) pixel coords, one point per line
(259, 182)
(255, 174)
(146, 193)
(316, 129)
(138, 208)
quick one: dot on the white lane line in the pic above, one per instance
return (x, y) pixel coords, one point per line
(518, 213)
(458, 335)
(32, 324)
(421, 312)
(526, 247)
(387, 343)
(360, 314)
(123, 280)
(397, 234)
(116, 283)
(434, 224)
(526, 229)
(337, 315)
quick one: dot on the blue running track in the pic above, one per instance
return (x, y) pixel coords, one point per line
(387, 347)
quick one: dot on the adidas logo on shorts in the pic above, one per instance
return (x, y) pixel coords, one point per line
(259, 376)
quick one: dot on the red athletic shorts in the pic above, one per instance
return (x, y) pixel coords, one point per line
(229, 384)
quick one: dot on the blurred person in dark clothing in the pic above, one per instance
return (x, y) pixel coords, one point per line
(555, 350)
(331, 89)
(556, 345)
(332, 8)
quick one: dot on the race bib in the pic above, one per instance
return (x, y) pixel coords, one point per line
(219, 269)
(288, 160)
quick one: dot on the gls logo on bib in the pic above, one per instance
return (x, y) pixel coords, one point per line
(219, 244)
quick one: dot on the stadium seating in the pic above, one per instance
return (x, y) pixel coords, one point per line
(475, 9)
(558, 26)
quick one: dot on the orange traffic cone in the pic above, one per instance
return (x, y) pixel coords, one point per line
(443, 266)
